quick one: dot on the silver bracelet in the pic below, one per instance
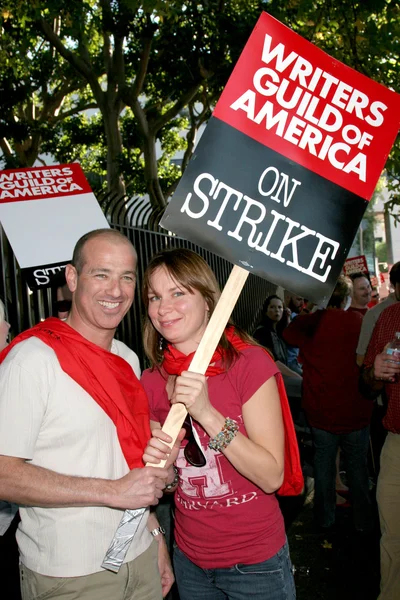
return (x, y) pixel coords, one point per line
(175, 481)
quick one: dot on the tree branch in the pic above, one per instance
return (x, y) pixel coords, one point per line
(82, 66)
(161, 120)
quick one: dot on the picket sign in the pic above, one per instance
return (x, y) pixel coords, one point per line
(131, 518)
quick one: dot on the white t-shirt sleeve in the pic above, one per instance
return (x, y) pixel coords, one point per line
(131, 357)
(22, 405)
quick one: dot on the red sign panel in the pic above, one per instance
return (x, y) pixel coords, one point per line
(38, 183)
(297, 100)
(356, 264)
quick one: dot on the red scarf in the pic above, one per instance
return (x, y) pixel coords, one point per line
(106, 377)
(175, 362)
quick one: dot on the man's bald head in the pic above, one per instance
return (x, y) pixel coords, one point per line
(112, 235)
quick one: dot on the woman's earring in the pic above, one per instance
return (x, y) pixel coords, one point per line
(161, 344)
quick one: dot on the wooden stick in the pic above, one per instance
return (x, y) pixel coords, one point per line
(207, 346)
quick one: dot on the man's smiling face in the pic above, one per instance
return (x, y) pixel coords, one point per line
(104, 289)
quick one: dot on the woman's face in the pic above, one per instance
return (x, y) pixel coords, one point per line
(180, 316)
(275, 310)
(4, 329)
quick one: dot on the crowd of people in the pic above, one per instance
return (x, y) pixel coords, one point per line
(79, 422)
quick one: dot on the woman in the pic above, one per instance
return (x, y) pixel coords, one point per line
(337, 413)
(269, 334)
(229, 530)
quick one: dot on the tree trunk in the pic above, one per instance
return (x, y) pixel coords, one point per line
(152, 181)
(115, 182)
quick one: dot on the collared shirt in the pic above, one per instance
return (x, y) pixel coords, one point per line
(385, 331)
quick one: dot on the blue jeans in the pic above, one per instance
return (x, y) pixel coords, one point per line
(268, 580)
(354, 447)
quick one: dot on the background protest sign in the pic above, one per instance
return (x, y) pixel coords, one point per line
(285, 168)
(356, 264)
(44, 211)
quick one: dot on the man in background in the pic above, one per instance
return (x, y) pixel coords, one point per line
(380, 374)
(373, 314)
(362, 292)
(294, 305)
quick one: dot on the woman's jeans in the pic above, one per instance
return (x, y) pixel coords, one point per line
(271, 579)
(354, 447)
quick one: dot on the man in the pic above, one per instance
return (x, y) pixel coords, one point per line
(380, 373)
(294, 305)
(293, 302)
(374, 313)
(73, 425)
(378, 432)
(361, 293)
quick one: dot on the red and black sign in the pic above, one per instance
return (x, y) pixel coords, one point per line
(285, 168)
(44, 211)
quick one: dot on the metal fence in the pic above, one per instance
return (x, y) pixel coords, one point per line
(24, 307)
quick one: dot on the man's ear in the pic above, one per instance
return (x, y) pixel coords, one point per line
(71, 277)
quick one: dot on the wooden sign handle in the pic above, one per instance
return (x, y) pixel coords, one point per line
(207, 346)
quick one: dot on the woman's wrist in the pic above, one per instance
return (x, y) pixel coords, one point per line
(173, 479)
(214, 423)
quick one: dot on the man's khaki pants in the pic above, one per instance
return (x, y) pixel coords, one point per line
(388, 497)
(136, 580)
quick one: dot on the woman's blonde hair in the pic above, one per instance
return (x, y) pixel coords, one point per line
(190, 271)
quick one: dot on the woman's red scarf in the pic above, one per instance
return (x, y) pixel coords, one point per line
(106, 377)
(175, 362)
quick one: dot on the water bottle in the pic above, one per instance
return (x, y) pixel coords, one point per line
(393, 348)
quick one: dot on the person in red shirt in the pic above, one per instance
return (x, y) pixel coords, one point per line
(379, 373)
(337, 413)
(229, 529)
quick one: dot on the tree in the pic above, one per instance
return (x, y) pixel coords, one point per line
(154, 57)
(38, 91)
(156, 66)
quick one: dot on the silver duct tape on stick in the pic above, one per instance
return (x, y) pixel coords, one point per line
(130, 521)
(122, 539)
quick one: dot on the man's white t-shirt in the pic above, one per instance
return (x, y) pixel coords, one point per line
(49, 420)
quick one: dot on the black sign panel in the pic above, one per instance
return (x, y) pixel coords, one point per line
(265, 213)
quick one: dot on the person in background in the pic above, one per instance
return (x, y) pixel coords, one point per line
(338, 414)
(361, 293)
(371, 317)
(295, 305)
(269, 333)
(74, 421)
(63, 301)
(378, 431)
(378, 374)
(229, 529)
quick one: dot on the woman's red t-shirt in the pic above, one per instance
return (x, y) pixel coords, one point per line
(221, 518)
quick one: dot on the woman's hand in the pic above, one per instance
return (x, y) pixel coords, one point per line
(160, 448)
(192, 391)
